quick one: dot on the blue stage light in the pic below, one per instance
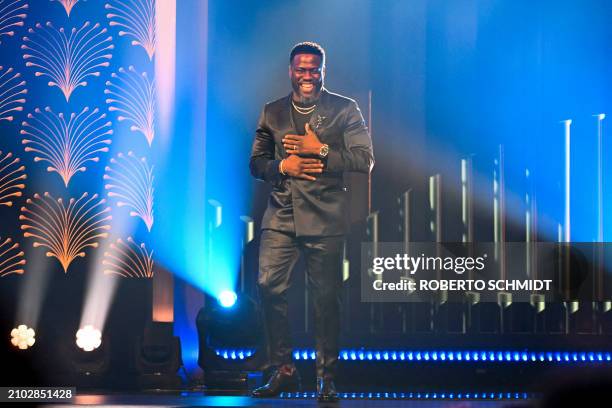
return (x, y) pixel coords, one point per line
(227, 298)
(437, 355)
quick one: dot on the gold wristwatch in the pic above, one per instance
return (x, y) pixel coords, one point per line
(323, 151)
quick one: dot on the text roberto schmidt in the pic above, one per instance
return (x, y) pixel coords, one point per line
(477, 285)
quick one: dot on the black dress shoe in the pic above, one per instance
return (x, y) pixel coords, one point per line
(326, 390)
(279, 382)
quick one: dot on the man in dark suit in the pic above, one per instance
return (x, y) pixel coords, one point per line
(303, 144)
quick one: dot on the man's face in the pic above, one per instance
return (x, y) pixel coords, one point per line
(306, 73)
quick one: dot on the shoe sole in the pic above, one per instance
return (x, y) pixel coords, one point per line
(294, 388)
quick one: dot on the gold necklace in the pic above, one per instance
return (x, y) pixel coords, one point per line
(304, 111)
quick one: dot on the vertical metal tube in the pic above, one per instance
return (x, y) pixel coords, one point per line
(372, 236)
(599, 284)
(248, 236)
(370, 129)
(435, 203)
(499, 212)
(467, 207)
(566, 215)
(504, 299)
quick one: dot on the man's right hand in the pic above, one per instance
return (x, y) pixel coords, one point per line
(296, 166)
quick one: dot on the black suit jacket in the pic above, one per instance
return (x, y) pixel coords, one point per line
(318, 207)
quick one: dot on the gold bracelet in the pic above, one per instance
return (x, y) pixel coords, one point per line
(281, 168)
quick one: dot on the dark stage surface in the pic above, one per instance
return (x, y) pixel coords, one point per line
(202, 400)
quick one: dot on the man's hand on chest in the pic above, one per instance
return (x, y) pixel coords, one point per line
(303, 145)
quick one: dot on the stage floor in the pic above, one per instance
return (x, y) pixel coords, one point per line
(193, 399)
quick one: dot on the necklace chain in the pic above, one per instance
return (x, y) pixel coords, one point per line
(304, 111)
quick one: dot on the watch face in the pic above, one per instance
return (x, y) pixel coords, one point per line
(324, 150)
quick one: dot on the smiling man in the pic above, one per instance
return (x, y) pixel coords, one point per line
(303, 144)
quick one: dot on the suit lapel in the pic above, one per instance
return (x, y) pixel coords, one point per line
(321, 114)
(289, 114)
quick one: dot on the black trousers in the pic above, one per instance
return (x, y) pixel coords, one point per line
(278, 254)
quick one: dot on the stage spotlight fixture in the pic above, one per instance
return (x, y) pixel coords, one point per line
(158, 357)
(221, 327)
(227, 298)
(87, 359)
(23, 337)
(88, 338)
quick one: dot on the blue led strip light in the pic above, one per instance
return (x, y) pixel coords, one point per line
(240, 354)
(419, 395)
(443, 356)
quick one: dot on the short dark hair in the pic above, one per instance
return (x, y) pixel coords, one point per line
(307, 47)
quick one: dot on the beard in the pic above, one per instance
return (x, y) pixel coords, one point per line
(309, 98)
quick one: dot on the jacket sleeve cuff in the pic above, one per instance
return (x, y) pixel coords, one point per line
(273, 172)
